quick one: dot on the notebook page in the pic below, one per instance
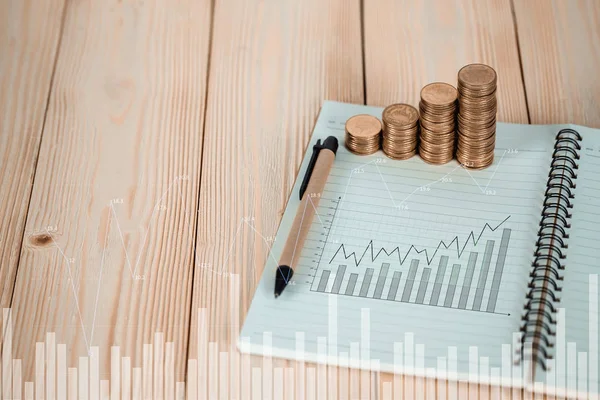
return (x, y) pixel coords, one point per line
(576, 351)
(407, 263)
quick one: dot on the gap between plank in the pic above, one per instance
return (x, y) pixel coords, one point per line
(37, 154)
(362, 48)
(195, 231)
(516, 29)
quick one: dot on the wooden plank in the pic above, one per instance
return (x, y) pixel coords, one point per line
(117, 183)
(409, 44)
(29, 34)
(272, 65)
(561, 54)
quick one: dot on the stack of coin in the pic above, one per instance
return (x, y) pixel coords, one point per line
(400, 131)
(438, 127)
(363, 134)
(476, 116)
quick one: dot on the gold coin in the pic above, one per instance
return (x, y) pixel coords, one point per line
(434, 113)
(439, 142)
(477, 130)
(439, 94)
(475, 164)
(476, 118)
(438, 126)
(440, 152)
(363, 126)
(363, 134)
(435, 160)
(438, 123)
(400, 131)
(477, 76)
(398, 144)
(354, 143)
(465, 95)
(477, 105)
(400, 114)
(437, 136)
(400, 139)
(437, 119)
(390, 129)
(395, 139)
(474, 154)
(401, 156)
(472, 93)
(475, 157)
(437, 147)
(476, 134)
(362, 150)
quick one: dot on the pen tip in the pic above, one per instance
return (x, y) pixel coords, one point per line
(282, 278)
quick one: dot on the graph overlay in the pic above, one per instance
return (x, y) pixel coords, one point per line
(437, 237)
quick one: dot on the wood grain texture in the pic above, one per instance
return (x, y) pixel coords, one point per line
(560, 44)
(28, 43)
(273, 63)
(107, 259)
(411, 43)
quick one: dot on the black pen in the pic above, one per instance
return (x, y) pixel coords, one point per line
(311, 190)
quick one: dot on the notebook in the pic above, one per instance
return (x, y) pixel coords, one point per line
(482, 275)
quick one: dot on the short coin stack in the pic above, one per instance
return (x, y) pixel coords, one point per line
(363, 134)
(400, 131)
(438, 126)
(476, 116)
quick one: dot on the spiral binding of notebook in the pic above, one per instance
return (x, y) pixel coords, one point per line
(539, 318)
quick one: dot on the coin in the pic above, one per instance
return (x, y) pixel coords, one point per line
(476, 120)
(434, 158)
(438, 122)
(363, 126)
(363, 134)
(472, 163)
(400, 131)
(477, 77)
(439, 94)
(400, 115)
(437, 126)
(402, 156)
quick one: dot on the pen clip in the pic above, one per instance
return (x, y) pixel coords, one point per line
(311, 166)
(330, 143)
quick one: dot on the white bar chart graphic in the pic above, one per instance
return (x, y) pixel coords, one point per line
(220, 371)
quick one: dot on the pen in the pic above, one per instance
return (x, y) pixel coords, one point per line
(311, 190)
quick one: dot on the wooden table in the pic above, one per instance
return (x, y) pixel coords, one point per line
(135, 135)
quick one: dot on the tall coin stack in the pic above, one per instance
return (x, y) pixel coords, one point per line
(438, 126)
(476, 116)
(363, 134)
(400, 131)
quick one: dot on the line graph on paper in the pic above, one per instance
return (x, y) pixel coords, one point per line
(438, 236)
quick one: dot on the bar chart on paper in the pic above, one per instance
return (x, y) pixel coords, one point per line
(421, 285)
(443, 284)
(427, 237)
